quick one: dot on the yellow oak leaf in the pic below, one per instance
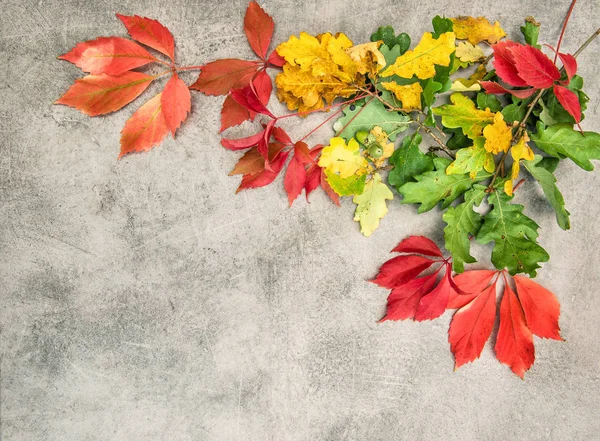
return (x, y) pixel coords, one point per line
(471, 160)
(470, 84)
(382, 139)
(465, 51)
(497, 135)
(476, 30)
(463, 113)
(344, 159)
(409, 95)
(367, 57)
(518, 152)
(371, 205)
(422, 59)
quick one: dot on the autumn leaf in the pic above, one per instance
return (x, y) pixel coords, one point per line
(497, 135)
(541, 308)
(409, 95)
(295, 175)
(518, 152)
(176, 102)
(476, 30)
(108, 55)
(343, 159)
(472, 160)
(371, 205)
(466, 52)
(422, 59)
(368, 58)
(262, 176)
(146, 128)
(233, 113)
(101, 94)
(534, 67)
(258, 26)
(151, 33)
(463, 113)
(221, 76)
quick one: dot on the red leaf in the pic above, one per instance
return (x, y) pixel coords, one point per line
(473, 283)
(492, 87)
(534, 67)
(109, 55)
(433, 304)
(328, 190)
(313, 179)
(243, 143)
(540, 306)
(176, 102)
(471, 327)
(403, 302)
(233, 114)
(275, 59)
(221, 76)
(151, 33)
(247, 97)
(265, 177)
(569, 100)
(101, 94)
(295, 179)
(263, 86)
(400, 270)
(253, 162)
(419, 245)
(569, 63)
(258, 26)
(145, 129)
(514, 343)
(281, 136)
(504, 63)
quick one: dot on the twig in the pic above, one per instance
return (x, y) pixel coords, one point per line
(439, 142)
(586, 43)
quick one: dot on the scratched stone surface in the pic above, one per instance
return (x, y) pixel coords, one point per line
(143, 299)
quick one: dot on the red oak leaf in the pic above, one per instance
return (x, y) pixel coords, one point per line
(504, 63)
(514, 342)
(101, 94)
(534, 67)
(221, 76)
(145, 129)
(492, 87)
(419, 245)
(176, 102)
(151, 33)
(108, 55)
(258, 26)
(540, 306)
(472, 325)
(569, 100)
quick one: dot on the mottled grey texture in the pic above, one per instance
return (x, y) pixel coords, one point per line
(145, 300)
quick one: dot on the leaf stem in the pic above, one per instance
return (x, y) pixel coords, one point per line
(564, 28)
(189, 68)
(586, 43)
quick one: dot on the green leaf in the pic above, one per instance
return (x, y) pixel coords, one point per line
(462, 113)
(485, 101)
(441, 26)
(514, 236)
(430, 88)
(387, 35)
(355, 184)
(515, 111)
(472, 160)
(368, 116)
(408, 161)
(549, 163)
(561, 140)
(458, 139)
(462, 221)
(548, 183)
(371, 205)
(531, 31)
(436, 186)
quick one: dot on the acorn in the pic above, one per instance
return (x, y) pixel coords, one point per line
(375, 151)
(361, 136)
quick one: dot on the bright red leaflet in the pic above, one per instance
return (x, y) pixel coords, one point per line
(540, 306)
(472, 282)
(534, 67)
(569, 63)
(419, 245)
(151, 33)
(569, 100)
(145, 129)
(493, 87)
(258, 26)
(504, 63)
(221, 76)
(176, 102)
(433, 304)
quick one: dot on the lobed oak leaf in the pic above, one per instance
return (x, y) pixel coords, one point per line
(176, 102)
(151, 33)
(540, 306)
(476, 30)
(463, 113)
(409, 95)
(101, 94)
(520, 151)
(108, 55)
(146, 128)
(368, 58)
(342, 158)
(498, 135)
(221, 76)
(466, 52)
(371, 205)
(534, 67)
(419, 245)
(258, 26)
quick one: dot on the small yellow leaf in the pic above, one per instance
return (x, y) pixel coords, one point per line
(371, 205)
(422, 59)
(465, 51)
(518, 152)
(367, 57)
(409, 95)
(470, 84)
(344, 159)
(476, 30)
(497, 135)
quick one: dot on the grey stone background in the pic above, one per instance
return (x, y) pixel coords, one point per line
(143, 299)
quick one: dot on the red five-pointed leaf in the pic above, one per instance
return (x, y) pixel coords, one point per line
(145, 129)
(514, 343)
(176, 102)
(265, 177)
(504, 63)
(151, 33)
(471, 282)
(419, 245)
(570, 64)
(569, 100)
(534, 67)
(247, 97)
(109, 55)
(403, 302)
(540, 306)
(400, 270)
(471, 327)
(433, 305)
(258, 26)
(221, 76)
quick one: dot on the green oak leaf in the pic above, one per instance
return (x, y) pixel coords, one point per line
(515, 111)
(531, 31)
(408, 161)
(462, 221)
(485, 101)
(437, 186)
(458, 139)
(514, 236)
(461, 112)
(387, 35)
(561, 140)
(371, 205)
(441, 25)
(472, 160)
(372, 114)
(548, 183)
(352, 185)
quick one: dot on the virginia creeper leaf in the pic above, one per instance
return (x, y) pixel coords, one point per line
(540, 306)
(400, 270)
(534, 67)
(433, 304)
(221, 76)
(176, 102)
(151, 33)
(403, 301)
(258, 26)
(419, 245)
(145, 129)
(472, 282)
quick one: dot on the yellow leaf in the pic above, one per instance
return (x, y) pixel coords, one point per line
(471, 160)
(462, 113)
(367, 57)
(497, 135)
(476, 30)
(344, 159)
(422, 59)
(465, 51)
(382, 139)
(409, 95)
(519, 151)
(371, 205)
(470, 84)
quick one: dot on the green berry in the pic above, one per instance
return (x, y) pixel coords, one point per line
(361, 136)
(375, 151)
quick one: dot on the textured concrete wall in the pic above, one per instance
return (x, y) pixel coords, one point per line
(144, 300)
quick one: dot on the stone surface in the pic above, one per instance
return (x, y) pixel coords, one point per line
(143, 299)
